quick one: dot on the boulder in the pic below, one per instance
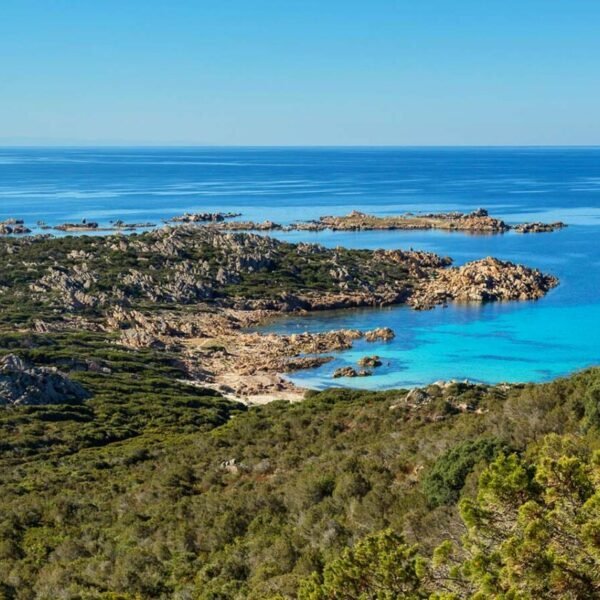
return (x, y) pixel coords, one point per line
(369, 361)
(384, 334)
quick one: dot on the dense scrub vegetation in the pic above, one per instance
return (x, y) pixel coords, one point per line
(532, 532)
(185, 265)
(158, 489)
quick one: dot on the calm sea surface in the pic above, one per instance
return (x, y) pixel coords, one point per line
(531, 341)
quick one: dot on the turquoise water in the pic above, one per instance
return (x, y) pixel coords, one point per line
(498, 342)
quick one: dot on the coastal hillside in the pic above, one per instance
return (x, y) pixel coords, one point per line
(155, 489)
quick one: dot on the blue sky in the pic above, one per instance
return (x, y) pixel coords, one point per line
(300, 72)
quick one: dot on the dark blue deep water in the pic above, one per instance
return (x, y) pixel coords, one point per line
(498, 342)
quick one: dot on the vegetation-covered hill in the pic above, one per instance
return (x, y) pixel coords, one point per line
(155, 489)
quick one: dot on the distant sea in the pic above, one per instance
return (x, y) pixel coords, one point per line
(530, 341)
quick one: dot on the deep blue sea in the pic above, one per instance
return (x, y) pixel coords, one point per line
(531, 341)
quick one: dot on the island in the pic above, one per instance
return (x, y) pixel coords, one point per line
(477, 222)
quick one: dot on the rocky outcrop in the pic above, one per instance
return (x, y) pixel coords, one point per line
(369, 362)
(195, 290)
(71, 287)
(384, 334)
(119, 224)
(253, 226)
(477, 221)
(85, 225)
(13, 227)
(538, 227)
(350, 372)
(299, 363)
(22, 383)
(204, 217)
(217, 347)
(485, 280)
(187, 265)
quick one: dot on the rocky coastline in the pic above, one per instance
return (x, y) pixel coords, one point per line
(197, 293)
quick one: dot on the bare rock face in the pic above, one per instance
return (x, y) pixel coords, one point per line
(485, 280)
(72, 287)
(24, 384)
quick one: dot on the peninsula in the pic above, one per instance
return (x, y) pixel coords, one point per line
(194, 292)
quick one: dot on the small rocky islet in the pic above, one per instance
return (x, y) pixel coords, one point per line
(194, 292)
(478, 221)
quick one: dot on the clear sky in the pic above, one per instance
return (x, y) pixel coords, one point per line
(300, 72)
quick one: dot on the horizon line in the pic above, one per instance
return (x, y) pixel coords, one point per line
(166, 145)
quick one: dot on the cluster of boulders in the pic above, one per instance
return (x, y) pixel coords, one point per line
(83, 226)
(448, 397)
(367, 364)
(13, 227)
(483, 280)
(537, 227)
(22, 383)
(350, 372)
(370, 362)
(207, 217)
